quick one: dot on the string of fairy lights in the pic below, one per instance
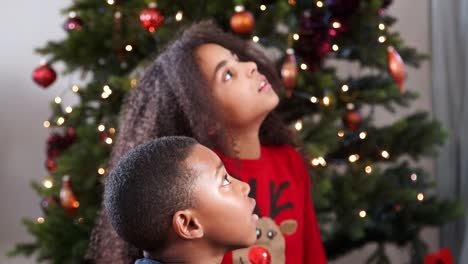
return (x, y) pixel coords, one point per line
(107, 92)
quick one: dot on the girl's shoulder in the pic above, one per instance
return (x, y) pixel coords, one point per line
(283, 151)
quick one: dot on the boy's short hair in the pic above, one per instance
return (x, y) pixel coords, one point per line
(145, 189)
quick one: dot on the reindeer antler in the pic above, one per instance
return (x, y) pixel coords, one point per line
(275, 209)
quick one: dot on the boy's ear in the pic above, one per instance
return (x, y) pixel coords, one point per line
(187, 225)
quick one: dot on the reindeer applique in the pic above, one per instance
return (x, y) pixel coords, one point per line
(269, 234)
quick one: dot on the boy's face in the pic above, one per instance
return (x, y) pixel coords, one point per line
(223, 207)
(238, 88)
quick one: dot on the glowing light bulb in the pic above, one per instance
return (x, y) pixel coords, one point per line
(128, 47)
(263, 7)
(335, 47)
(112, 130)
(41, 220)
(326, 100)
(345, 88)
(101, 171)
(414, 177)
(362, 135)
(69, 109)
(239, 8)
(368, 169)
(315, 162)
(255, 39)
(48, 183)
(298, 125)
(58, 100)
(362, 214)
(75, 88)
(304, 66)
(110, 2)
(319, 4)
(179, 16)
(381, 26)
(101, 128)
(46, 124)
(336, 25)
(296, 36)
(109, 140)
(385, 154)
(322, 161)
(313, 99)
(382, 39)
(420, 196)
(341, 133)
(60, 121)
(353, 158)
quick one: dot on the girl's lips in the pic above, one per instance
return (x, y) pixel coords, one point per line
(264, 85)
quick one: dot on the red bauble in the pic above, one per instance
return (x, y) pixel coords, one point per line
(51, 165)
(259, 255)
(67, 196)
(44, 75)
(73, 23)
(151, 18)
(352, 120)
(242, 22)
(289, 72)
(396, 66)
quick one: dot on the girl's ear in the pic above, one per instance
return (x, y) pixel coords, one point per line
(187, 225)
(213, 129)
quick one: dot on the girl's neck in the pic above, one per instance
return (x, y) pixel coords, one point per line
(245, 145)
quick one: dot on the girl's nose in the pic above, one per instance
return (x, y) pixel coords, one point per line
(251, 68)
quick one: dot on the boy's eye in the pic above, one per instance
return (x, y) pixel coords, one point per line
(227, 76)
(226, 180)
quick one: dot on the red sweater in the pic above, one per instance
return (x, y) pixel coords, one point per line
(280, 183)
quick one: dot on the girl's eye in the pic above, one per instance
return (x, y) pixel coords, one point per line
(226, 180)
(227, 76)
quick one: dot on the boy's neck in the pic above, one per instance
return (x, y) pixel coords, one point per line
(189, 253)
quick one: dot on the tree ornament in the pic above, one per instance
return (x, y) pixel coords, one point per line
(259, 255)
(51, 165)
(242, 21)
(67, 197)
(396, 66)
(314, 43)
(352, 120)
(386, 3)
(289, 72)
(48, 201)
(343, 8)
(44, 75)
(151, 18)
(73, 23)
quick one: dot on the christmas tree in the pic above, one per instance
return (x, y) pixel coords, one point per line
(367, 187)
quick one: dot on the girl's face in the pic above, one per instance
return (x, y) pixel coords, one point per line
(243, 96)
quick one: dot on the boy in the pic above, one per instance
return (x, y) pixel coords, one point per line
(172, 198)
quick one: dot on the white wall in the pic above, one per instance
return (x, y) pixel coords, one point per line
(26, 24)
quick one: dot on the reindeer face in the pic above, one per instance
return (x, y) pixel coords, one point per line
(271, 237)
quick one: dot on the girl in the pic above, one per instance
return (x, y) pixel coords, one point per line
(222, 90)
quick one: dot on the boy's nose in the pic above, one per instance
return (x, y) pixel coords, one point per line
(245, 187)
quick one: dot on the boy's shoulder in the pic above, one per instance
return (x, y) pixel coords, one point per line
(147, 261)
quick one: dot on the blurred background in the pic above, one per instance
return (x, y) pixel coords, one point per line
(26, 25)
